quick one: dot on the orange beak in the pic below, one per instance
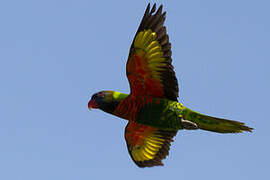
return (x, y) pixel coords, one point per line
(92, 104)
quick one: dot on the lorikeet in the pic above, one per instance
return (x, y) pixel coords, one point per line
(153, 112)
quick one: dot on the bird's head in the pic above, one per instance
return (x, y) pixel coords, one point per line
(105, 100)
(98, 100)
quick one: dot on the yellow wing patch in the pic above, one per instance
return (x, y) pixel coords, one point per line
(147, 46)
(149, 150)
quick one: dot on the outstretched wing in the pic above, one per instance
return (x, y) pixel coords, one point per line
(149, 69)
(146, 145)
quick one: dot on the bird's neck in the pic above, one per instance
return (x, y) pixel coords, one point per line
(110, 104)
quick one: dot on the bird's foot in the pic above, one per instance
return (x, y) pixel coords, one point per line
(189, 125)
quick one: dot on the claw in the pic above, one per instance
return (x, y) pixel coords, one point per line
(189, 125)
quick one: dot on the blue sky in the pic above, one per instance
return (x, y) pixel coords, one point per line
(55, 54)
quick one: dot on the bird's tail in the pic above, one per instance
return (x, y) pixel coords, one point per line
(214, 124)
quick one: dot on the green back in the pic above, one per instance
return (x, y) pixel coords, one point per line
(161, 113)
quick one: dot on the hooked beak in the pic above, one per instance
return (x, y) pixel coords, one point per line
(92, 104)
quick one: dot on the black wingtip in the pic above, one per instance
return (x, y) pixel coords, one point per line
(159, 9)
(153, 9)
(147, 9)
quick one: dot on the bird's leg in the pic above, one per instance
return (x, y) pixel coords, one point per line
(189, 125)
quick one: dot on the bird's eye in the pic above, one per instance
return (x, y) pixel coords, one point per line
(94, 96)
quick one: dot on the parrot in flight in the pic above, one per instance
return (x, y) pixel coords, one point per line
(153, 112)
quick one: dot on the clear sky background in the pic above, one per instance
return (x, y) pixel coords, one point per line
(55, 54)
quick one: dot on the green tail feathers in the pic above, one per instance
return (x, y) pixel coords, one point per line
(214, 124)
